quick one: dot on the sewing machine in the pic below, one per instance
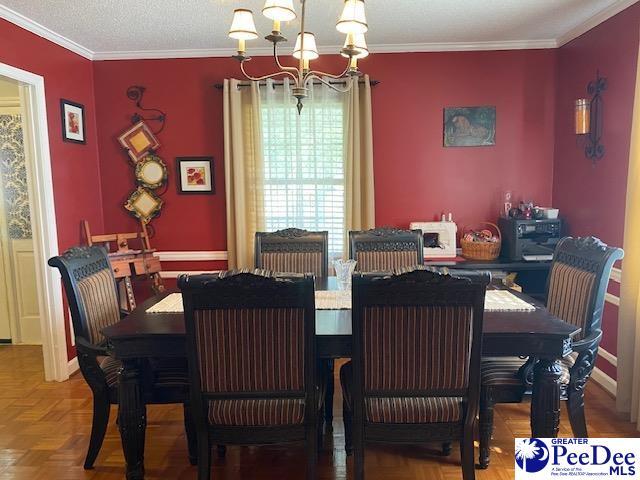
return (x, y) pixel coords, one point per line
(439, 238)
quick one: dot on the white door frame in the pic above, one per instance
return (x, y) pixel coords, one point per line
(43, 220)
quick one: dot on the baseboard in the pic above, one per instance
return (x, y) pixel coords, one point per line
(73, 366)
(605, 381)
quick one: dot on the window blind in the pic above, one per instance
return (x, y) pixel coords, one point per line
(304, 184)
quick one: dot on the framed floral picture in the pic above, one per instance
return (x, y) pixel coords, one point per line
(196, 175)
(139, 141)
(73, 126)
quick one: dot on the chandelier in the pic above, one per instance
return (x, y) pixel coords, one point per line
(352, 22)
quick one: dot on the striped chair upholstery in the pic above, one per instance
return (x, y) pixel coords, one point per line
(293, 250)
(384, 261)
(99, 301)
(386, 249)
(503, 371)
(295, 262)
(570, 292)
(251, 350)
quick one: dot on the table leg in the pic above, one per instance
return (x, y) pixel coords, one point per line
(545, 401)
(132, 418)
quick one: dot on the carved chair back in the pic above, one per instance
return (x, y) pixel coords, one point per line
(250, 338)
(91, 291)
(293, 250)
(417, 338)
(385, 249)
(578, 282)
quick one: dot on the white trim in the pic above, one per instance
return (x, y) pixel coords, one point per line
(594, 21)
(331, 49)
(10, 102)
(616, 275)
(176, 274)
(609, 357)
(609, 297)
(43, 218)
(193, 256)
(42, 31)
(605, 381)
(73, 366)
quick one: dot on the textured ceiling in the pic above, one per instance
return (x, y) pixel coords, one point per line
(130, 25)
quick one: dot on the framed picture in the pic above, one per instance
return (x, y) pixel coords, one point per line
(72, 116)
(195, 175)
(139, 141)
(151, 172)
(143, 204)
(469, 126)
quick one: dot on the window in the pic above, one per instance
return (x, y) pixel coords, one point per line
(304, 178)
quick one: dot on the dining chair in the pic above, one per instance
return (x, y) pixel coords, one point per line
(415, 371)
(91, 293)
(293, 250)
(252, 360)
(576, 289)
(384, 249)
(299, 251)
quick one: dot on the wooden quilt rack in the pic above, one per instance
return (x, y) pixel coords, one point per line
(129, 263)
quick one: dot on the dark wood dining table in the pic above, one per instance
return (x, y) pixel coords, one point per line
(143, 335)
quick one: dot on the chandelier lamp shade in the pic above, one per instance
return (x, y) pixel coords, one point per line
(352, 22)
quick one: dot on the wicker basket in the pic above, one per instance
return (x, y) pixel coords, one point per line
(481, 250)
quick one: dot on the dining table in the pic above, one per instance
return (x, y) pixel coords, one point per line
(144, 335)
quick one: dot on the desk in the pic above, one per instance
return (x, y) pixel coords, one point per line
(145, 335)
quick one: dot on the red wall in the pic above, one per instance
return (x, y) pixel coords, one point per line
(416, 178)
(75, 168)
(592, 198)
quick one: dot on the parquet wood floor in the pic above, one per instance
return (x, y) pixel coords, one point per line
(44, 430)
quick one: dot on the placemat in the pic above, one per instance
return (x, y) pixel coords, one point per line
(172, 303)
(333, 300)
(505, 301)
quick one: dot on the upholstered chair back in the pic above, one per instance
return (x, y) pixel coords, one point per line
(386, 249)
(293, 251)
(91, 291)
(250, 343)
(578, 282)
(416, 345)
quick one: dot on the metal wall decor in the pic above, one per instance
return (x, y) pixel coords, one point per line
(151, 172)
(135, 93)
(588, 118)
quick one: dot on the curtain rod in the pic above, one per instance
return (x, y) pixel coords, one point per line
(373, 83)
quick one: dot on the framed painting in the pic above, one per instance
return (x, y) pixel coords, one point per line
(73, 125)
(139, 141)
(196, 175)
(143, 204)
(469, 126)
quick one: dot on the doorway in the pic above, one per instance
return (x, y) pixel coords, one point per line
(19, 310)
(30, 292)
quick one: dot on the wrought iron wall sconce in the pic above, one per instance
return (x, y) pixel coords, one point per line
(135, 93)
(588, 118)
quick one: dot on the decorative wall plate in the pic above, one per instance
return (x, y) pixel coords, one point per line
(151, 172)
(139, 141)
(143, 204)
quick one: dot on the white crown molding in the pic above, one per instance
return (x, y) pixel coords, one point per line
(330, 49)
(594, 21)
(605, 381)
(42, 31)
(193, 256)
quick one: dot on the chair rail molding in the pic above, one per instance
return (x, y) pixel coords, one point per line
(193, 256)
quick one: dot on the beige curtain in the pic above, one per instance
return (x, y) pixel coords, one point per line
(244, 171)
(628, 395)
(359, 202)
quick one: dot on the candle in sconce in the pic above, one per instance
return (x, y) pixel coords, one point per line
(583, 116)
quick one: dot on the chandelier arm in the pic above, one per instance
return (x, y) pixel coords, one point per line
(312, 76)
(280, 66)
(264, 77)
(324, 74)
